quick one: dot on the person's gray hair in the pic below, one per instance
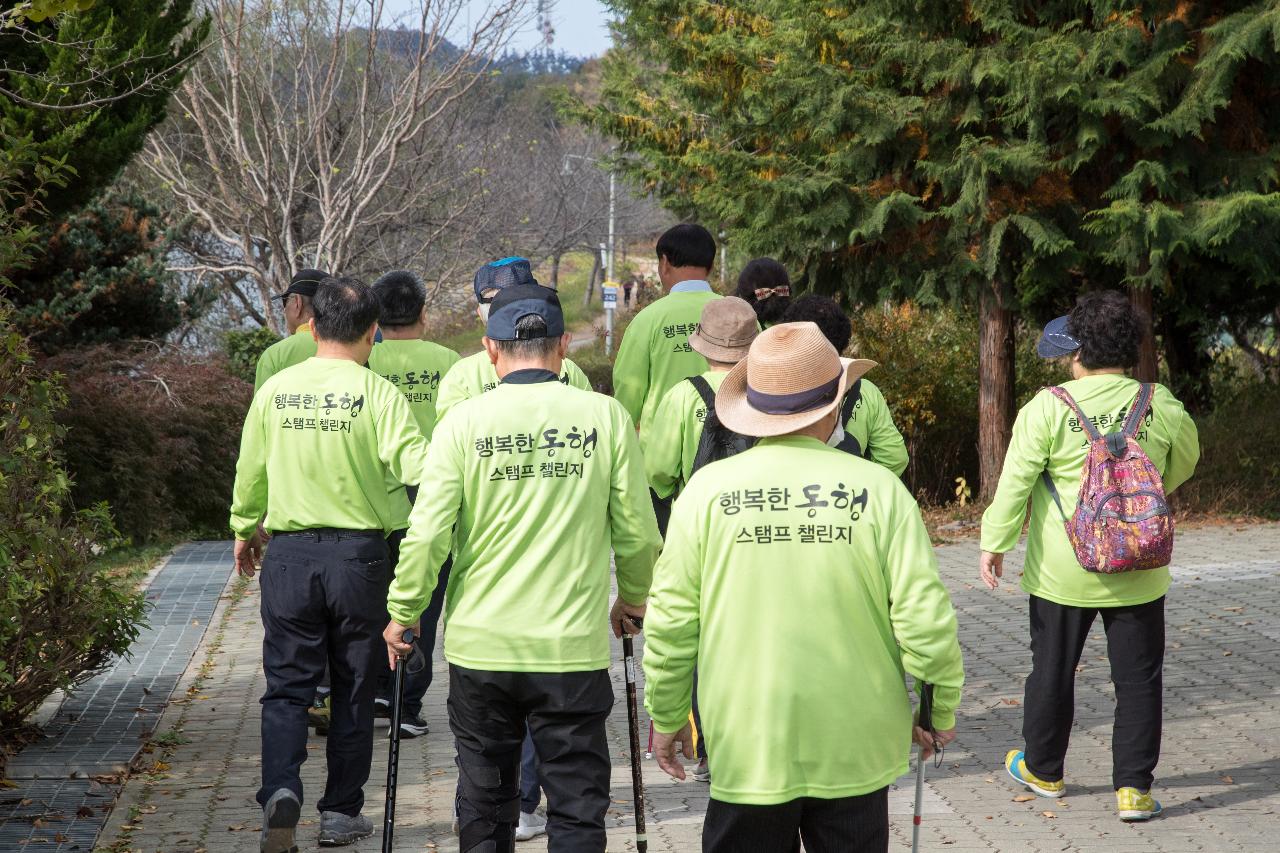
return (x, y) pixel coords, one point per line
(530, 348)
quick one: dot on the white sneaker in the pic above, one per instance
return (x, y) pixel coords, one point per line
(531, 826)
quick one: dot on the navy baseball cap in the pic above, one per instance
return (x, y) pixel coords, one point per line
(499, 275)
(1055, 341)
(303, 283)
(513, 304)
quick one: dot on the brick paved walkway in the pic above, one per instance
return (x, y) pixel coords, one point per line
(67, 780)
(1219, 777)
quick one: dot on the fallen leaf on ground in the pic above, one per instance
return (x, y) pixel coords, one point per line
(1048, 814)
(1023, 798)
(1010, 702)
(1227, 780)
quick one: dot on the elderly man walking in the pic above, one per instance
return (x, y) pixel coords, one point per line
(475, 374)
(535, 482)
(655, 353)
(320, 442)
(299, 345)
(801, 581)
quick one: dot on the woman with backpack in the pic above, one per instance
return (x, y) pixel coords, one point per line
(1097, 457)
(686, 434)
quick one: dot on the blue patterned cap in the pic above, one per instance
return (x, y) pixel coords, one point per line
(499, 275)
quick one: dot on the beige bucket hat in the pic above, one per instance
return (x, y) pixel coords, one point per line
(791, 378)
(725, 330)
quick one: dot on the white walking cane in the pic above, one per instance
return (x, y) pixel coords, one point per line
(925, 722)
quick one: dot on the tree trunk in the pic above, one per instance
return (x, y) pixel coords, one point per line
(1186, 353)
(555, 271)
(1142, 299)
(596, 266)
(995, 384)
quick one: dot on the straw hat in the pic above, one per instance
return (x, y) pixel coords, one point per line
(792, 378)
(725, 330)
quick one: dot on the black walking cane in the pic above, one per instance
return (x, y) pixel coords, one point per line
(393, 755)
(925, 722)
(633, 723)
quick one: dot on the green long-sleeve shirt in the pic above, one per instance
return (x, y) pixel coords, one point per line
(1046, 434)
(655, 352)
(872, 425)
(800, 580)
(540, 481)
(671, 442)
(286, 352)
(320, 440)
(474, 375)
(416, 368)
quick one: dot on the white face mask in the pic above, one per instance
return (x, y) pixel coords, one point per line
(837, 435)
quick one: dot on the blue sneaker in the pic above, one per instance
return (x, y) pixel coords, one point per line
(1016, 764)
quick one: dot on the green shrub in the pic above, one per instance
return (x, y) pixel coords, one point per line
(61, 615)
(155, 434)
(244, 347)
(1239, 469)
(929, 375)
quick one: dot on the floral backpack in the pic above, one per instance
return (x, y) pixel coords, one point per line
(1122, 521)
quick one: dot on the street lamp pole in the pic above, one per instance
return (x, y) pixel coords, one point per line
(609, 304)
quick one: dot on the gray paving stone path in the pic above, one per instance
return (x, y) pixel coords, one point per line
(1219, 777)
(67, 781)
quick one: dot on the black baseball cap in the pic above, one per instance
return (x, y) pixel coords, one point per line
(515, 303)
(501, 274)
(303, 283)
(1055, 341)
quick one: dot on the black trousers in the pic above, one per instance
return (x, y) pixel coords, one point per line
(1135, 647)
(324, 599)
(845, 825)
(566, 715)
(416, 684)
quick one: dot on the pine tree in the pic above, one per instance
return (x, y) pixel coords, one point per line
(1010, 153)
(91, 84)
(98, 275)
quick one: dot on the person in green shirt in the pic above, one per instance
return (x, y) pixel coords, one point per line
(299, 344)
(1101, 338)
(800, 580)
(319, 443)
(655, 352)
(471, 377)
(415, 366)
(866, 425)
(765, 286)
(725, 332)
(475, 374)
(540, 481)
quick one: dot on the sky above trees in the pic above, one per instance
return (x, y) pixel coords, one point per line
(581, 25)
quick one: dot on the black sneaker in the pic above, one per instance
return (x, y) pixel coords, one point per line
(412, 727)
(279, 823)
(381, 709)
(339, 830)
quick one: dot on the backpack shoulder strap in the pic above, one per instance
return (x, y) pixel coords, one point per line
(851, 398)
(1088, 425)
(704, 391)
(1141, 403)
